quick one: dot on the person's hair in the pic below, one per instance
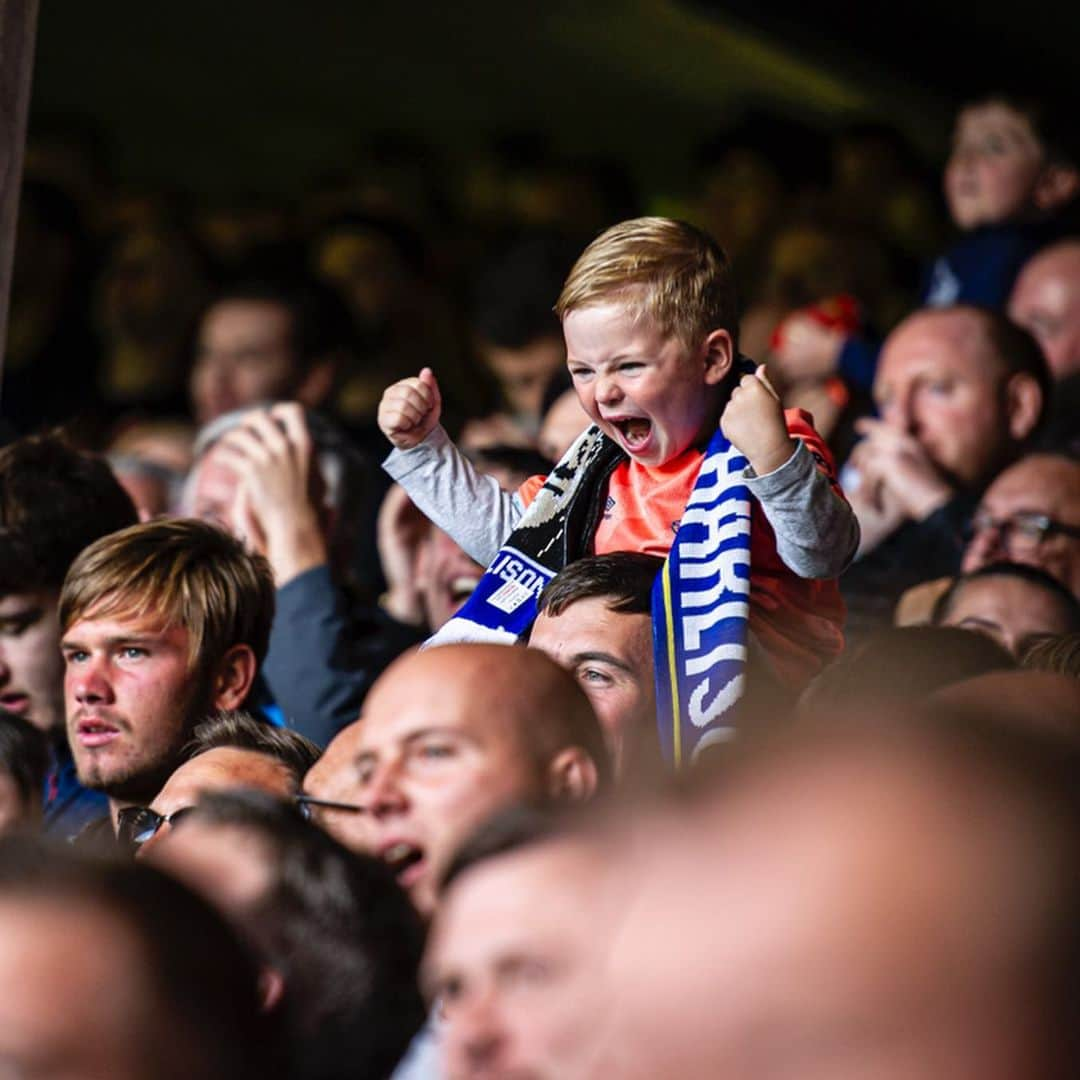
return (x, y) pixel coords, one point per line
(624, 579)
(189, 573)
(342, 933)
(24, 756)
(54, 501)
(198, 984)
(319, 321)
(510, 829)
(1031, 575)
(1053, 127)
(1057, 653)
(240, 730)
(666, 269)
(902, 664)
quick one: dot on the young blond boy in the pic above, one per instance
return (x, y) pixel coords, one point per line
(650, 320)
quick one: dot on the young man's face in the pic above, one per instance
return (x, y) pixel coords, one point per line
(644, 388)
(610, 655)
(31, 670)
(244, 356)
(131, 702)
(995, 162)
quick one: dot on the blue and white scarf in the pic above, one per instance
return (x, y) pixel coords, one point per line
(700, 600)
(701, 609)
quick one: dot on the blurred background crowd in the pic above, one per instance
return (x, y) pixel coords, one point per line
(881, 880)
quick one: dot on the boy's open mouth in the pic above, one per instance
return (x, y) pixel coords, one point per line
(635, 430)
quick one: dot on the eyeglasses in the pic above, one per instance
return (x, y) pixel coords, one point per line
(1022, 533)
(304, 803)
(137, 824)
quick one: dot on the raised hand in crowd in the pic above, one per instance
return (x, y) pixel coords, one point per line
(410, 409)
(898, 482)
(279, 508)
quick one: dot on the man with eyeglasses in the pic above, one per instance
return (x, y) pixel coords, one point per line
(230, 751)
(1031, 514)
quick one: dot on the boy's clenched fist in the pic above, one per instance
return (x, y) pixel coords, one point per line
(410, 409)
(754, 423)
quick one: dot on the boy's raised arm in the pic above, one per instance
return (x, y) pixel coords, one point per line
(470, 507)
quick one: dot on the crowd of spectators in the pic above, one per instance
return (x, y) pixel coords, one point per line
(446, 630)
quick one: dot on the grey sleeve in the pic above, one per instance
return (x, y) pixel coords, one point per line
(470, 507)
(817, 533)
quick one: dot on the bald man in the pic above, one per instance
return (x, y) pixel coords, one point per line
(447, 737)
(960, 391)
(1046, 301)
(881, 900)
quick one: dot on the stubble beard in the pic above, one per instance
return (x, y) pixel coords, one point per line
(137, 780)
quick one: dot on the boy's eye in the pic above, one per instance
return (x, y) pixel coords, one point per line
(580, 373)
(133, 652)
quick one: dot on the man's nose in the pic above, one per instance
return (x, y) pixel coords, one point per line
(89, 683)
(384, 794)
(480, 1034)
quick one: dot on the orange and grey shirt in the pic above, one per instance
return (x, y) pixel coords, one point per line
(803, 533)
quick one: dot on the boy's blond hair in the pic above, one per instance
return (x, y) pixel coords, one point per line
(189, 573)
(659, 267)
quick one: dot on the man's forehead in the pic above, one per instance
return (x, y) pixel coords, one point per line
(19, 601)
(1042, 485)
(948, 341)
(122, 617)
(592, 620)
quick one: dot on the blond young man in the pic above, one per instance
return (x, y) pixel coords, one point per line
(161, 624)
(650, 321)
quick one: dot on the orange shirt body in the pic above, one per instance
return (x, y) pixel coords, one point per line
(796, 620)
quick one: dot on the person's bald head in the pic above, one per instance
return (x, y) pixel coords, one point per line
(1046, 301)
(446, 737)
(872, 899)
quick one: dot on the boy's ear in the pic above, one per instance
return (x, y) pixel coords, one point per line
(719, 356)
(1023, 405)
(1056, 185)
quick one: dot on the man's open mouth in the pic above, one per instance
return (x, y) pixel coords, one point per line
(403, 857)
(462, 587)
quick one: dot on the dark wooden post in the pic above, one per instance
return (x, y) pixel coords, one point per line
(18, 24)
